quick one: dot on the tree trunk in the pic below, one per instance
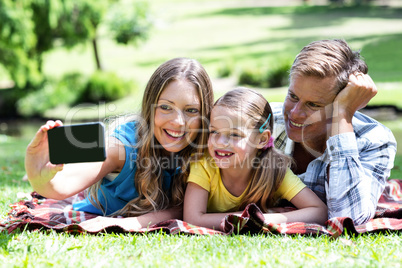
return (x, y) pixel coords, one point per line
(96, 54)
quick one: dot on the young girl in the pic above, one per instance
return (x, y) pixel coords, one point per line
(145, 172)
(243, 167)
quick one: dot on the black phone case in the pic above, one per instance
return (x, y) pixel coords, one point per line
(77, 143)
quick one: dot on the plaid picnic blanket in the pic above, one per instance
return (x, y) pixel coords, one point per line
(39, 213)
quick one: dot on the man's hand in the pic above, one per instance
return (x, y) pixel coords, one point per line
(357, 93)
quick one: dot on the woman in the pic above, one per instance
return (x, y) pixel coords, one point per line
(150, 154)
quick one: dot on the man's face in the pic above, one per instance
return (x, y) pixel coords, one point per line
(308, 110)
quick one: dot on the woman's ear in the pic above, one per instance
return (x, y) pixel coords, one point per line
(264, 139)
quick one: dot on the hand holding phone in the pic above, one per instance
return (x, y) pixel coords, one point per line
(77, 143)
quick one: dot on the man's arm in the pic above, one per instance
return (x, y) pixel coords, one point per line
(357, 171)
(356, 177)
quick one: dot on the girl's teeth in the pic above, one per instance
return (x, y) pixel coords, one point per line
(223, 154)
(175, 134)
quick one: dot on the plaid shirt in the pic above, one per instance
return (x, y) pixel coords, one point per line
(359, 163)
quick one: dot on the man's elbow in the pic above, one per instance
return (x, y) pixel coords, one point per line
(363, 217)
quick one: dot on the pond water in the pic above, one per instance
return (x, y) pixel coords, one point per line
(22, 129)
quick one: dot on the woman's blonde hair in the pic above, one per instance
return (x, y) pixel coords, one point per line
(148, 178)
(270, 165)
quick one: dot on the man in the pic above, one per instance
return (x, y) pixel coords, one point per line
(345, 157)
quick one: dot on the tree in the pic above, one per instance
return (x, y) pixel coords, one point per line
(17, 42)
(29, 28)
(131, 24)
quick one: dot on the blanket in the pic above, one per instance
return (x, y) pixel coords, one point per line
(39, 213)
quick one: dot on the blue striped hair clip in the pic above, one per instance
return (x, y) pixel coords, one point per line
(266, 124)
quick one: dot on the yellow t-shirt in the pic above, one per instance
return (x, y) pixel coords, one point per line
(207, 175)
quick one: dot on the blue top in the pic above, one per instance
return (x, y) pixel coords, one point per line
(121, 190)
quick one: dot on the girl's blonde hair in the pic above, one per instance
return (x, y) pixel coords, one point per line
(270, 165)
(148, 178)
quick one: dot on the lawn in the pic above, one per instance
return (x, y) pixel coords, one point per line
(217, 33)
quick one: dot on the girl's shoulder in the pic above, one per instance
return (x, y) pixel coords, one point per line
(290, 186)
(205, 161)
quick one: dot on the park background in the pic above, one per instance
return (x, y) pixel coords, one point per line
(248, 42)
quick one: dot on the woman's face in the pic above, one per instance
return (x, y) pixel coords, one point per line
(177, 116)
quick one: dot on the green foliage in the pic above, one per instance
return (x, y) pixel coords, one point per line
(130, 24)
(105, 86)
(273, 76)
(17, 38)
(30, 28)
(279, 76)
(251, 77)
(226, 69)
(80, 20)
(51, 94)
(8, 99)
(72, 89)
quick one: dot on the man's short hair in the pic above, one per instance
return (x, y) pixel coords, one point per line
(326, 58)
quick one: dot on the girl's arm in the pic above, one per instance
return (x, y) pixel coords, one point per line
(62, 181)
(195, 208)
(310, 209)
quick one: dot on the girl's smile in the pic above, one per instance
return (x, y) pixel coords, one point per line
(223, 154)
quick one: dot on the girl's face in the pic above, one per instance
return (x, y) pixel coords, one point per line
(177, 116)
(232, 141)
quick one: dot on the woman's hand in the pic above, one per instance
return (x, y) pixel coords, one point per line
(37, 165)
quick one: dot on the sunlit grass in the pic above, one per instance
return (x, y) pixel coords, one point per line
(161, 250)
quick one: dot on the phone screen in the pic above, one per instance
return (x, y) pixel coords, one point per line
(77, 143)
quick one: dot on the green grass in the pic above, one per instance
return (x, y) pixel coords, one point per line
(31, 249)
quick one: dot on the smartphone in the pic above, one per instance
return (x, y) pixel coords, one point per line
(77, 143)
